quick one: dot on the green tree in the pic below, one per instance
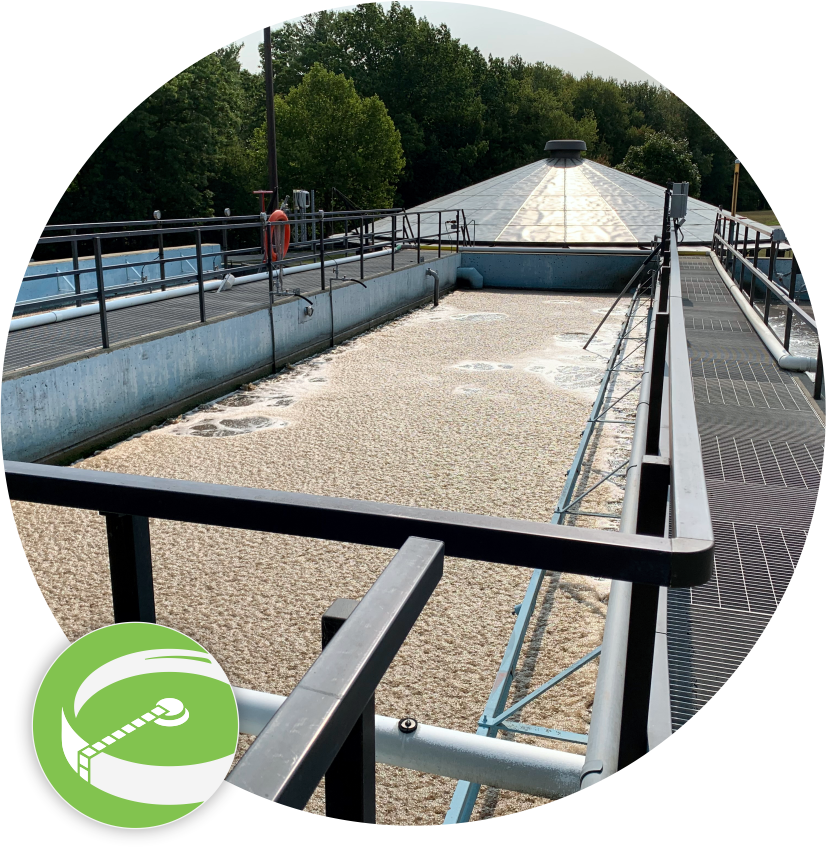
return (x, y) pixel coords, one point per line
(427, 79)
(662, 159)
(166, 153)
(330, 136)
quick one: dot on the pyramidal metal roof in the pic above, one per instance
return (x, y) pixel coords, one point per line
(567, 200)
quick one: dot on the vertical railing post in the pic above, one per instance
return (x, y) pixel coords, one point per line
(440, 234)
(787, 335)
(745, 253)
(225, 241)
(321, 245)
(767, 306)
(161, 260)
(729, 255)
(76, 266)
(734, 260)
(346, 235)
(393, 243)
(754, 261)
(817, 391)
(200, 261)
(270, 239)
(130, 567)
(350, 781)
(361, 249)
(457, 231)
(418, 237)
(104, 322)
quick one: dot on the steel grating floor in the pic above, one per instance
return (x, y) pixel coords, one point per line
(762, 443)
(27, 348)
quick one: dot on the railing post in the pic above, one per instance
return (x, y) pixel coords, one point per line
(104, 322)
(161, 260)
(225, 240)
(792, 289)
(321, 244)
(76, 265)
(734, 258)
(655, 475)
(350, 781)
(746, 255)
(754, 261)
(440, 233)
(200, 261)
(393, 244)
(457, 231)
(346, 236)
(361, 249)
(817, 391)
(655, 400)
(418, 237)
(270, 239)
(130, 567)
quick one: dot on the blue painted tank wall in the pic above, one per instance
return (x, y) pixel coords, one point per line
(554, 271)
(142, 265)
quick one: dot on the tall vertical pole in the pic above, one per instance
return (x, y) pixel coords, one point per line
(735, 186)
(272, 152)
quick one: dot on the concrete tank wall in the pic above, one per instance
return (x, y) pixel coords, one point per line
(543, 270)
(69, 408)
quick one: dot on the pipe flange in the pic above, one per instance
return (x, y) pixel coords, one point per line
(408, 725)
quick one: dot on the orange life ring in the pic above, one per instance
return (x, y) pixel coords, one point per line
(281, 236)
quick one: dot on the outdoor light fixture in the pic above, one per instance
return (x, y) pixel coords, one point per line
(227, 212)
(156, 215)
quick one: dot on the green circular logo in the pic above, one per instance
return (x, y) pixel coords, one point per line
(135, 725)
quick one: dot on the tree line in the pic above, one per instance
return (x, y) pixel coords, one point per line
(392, 110)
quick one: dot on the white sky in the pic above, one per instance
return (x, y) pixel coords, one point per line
(504, 34)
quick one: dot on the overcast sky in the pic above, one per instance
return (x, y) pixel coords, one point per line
(504, 34)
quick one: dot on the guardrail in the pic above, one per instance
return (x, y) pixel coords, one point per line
(335, 237)
(746, 274)
(325, 725)
(665, 493)
(129, 501)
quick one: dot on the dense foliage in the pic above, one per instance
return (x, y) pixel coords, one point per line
(388, 108)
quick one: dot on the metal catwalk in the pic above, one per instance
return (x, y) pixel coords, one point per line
(762, 441)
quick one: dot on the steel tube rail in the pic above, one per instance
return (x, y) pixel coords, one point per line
(290, 755)
(447, 752)
(602, 753)
(120, 302)
(778, 291)
(767, 335)
(577, 550)
(466, 792)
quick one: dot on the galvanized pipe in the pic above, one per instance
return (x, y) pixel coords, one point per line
(784, 359)
(602, 753)
(446, 752)
(171, 293)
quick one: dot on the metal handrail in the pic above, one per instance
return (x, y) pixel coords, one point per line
(578, 550)
(292, 753)
(776, 289)
(665, 481)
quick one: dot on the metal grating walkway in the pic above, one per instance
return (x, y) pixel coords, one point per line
(762, 443)
(67, 339)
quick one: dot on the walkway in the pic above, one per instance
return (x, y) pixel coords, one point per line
(762, 445)
(57, 342)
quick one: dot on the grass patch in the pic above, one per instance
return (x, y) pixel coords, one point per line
(763, 216)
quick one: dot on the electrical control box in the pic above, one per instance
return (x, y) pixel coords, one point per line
(679, 200)
(301, 199)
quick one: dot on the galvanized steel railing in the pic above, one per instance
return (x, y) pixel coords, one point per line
(732, 251)
(303, 740)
